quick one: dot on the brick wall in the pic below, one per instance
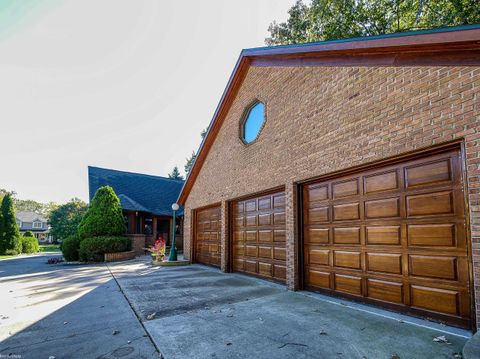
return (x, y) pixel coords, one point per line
(324, 119)
(138, 243)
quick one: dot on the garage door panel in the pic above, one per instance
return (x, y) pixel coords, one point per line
(279, 218)
(318, 256)
(279, 254)
(265, 252)
(238, 264)
(386, 235)
(318, 215)
(382, 208)
(264, 219)
(385, 291)
(345, 188)
(432, 235)
(347, 259)
(279, 200)
(250, 236)
(279, 235)
(264, 232)
(318, 279)
(265, 269)
(251, 206)
(264, 203)
(280, 272)
(239, 221)
(428, 173)
(251, 221)
(346, 235)
(251, 266)
(265, 235)
(433, 266)
(207, 236)
(435, 299)
(344, 212)
(384, 262)
(381, 182)
(316, 193)
(348, 284)
(394, 234)
(316, 235)
(430, 204)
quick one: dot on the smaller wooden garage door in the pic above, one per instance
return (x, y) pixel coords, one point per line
(393, 235)
(207, 236)
(259, 236)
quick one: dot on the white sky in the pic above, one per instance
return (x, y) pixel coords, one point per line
(126, 85)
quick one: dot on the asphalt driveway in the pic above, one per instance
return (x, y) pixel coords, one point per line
(66, 311)
(199, 312)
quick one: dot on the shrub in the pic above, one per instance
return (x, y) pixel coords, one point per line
(92, 249)
(104, 217)
(70, 247)
(28, 234)
(30, 244)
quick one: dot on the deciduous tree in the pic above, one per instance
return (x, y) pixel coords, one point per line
(338, 19)
(64, 220)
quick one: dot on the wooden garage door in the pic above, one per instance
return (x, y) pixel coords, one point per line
(207, 236)
(259, 236)
(394, 235)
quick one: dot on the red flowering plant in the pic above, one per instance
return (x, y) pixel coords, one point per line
(158, 249)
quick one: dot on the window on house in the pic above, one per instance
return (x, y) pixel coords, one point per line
(253, 122)
(37, 224)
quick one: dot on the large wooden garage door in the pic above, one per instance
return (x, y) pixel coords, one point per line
(393, 235)
(259, 236)
(207, 236)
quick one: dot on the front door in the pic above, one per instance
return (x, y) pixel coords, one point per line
(163, 229)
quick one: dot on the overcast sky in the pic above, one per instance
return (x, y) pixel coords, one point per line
(125, 84)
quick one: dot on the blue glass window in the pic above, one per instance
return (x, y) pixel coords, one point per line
(253, 122)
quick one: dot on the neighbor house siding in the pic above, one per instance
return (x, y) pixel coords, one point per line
(325, 119)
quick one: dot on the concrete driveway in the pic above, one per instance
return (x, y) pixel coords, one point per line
(199, 312)
(66, 311)
(73, 311)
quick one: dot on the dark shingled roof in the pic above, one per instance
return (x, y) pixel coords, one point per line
(137, 192)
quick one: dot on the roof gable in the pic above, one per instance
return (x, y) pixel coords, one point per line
(454, 46)
(136, 191)
(28, 216)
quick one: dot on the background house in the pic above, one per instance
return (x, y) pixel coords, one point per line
(146, 201)
(36, 223)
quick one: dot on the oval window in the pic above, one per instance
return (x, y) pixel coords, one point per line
(253, 122)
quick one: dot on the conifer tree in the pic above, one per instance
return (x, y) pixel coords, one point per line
(104, 217)
(10, 234)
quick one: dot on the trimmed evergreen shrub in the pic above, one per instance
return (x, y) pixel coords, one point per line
(70, 247)
(10, 236)
(104, 217)
(28, 234)
(30, 244)
(92, 249)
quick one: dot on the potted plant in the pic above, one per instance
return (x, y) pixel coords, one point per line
(158, 250)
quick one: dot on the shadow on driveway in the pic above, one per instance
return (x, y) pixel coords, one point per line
(200, 312)
(66, 311)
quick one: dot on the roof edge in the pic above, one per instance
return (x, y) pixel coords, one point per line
(447, 37)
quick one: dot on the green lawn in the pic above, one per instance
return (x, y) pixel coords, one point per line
(6, 256)
(49, 247)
